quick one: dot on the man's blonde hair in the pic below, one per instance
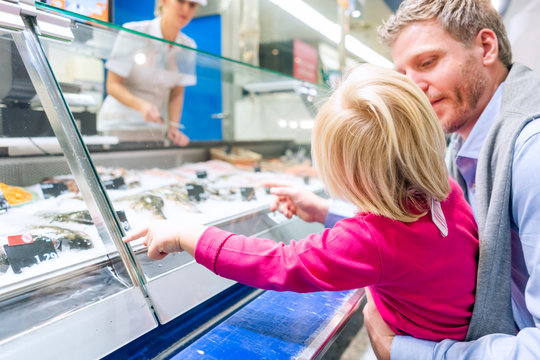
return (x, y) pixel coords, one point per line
(462, 19)
(378, 144)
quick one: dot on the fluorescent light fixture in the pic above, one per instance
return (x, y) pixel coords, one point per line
(311, 18)
(331, 30)
(356, 14)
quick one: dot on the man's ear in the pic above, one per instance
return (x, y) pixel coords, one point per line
(488, 41)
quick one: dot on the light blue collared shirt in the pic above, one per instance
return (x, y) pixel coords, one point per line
(469, 150)
(525, 251)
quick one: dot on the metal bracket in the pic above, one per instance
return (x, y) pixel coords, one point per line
(10, 15)
(54, 26)
(49, 25)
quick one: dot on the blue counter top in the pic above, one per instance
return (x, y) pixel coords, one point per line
(277, 325)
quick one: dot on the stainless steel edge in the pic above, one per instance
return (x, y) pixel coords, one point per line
(89, 328)
(184, 288)
(52, 277)
(326, 337)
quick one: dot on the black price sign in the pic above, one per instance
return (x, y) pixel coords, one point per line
(4, 205)
(201, 174)
(195, 192)
(123, 220)
(20, 256)
(248, 193)
(53, 189)
(116, 183)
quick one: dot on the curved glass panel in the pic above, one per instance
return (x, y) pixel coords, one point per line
(246, 126)
(222, 99)
(53, 260)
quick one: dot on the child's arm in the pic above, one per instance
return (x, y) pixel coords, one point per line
(163, 237)
(341, 258)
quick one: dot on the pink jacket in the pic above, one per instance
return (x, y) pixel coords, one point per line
(422, 283)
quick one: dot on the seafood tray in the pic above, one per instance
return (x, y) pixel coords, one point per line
(144, 195)
(235, 155)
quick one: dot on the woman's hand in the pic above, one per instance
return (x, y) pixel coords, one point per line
(176, 136)
(150, 112)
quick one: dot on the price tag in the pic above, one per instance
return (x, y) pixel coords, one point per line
(248, 193)
(114, 184)
(20, 239)
(123, 220)
(53, 189)
(20, 256)
(195, 192)
(201, 174)
(4, 205)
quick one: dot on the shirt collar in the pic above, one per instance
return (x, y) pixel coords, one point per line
(155, 27)
(471, 147)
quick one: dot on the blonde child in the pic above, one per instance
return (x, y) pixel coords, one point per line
(378, 144)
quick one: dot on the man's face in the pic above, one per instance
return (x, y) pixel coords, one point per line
(450, 74)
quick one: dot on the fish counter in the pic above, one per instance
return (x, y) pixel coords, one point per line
(54, 260)
(53, 214)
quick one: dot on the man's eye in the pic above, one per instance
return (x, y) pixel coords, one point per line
(427, 63)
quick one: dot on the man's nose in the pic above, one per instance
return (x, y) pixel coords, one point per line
(418, 79)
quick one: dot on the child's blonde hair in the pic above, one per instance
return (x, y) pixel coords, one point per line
(377, 143)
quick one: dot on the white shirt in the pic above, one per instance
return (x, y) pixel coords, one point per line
(151, 69)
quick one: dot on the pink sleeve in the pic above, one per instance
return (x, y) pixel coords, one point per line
(208, 246)
(344, 257)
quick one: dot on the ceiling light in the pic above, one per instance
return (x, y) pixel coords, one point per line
(356, 14)
(331, 30)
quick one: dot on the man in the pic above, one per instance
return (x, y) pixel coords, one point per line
(458, 53)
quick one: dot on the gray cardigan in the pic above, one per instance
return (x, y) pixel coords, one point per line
(520, 104)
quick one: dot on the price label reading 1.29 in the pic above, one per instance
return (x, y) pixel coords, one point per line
(44, 257)
(29, 253)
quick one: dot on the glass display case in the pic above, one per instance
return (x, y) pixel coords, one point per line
(76, 173)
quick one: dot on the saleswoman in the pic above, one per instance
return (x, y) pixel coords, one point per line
(146, 78)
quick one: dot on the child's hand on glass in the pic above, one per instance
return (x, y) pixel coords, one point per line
(164, 236)
(296, 201)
